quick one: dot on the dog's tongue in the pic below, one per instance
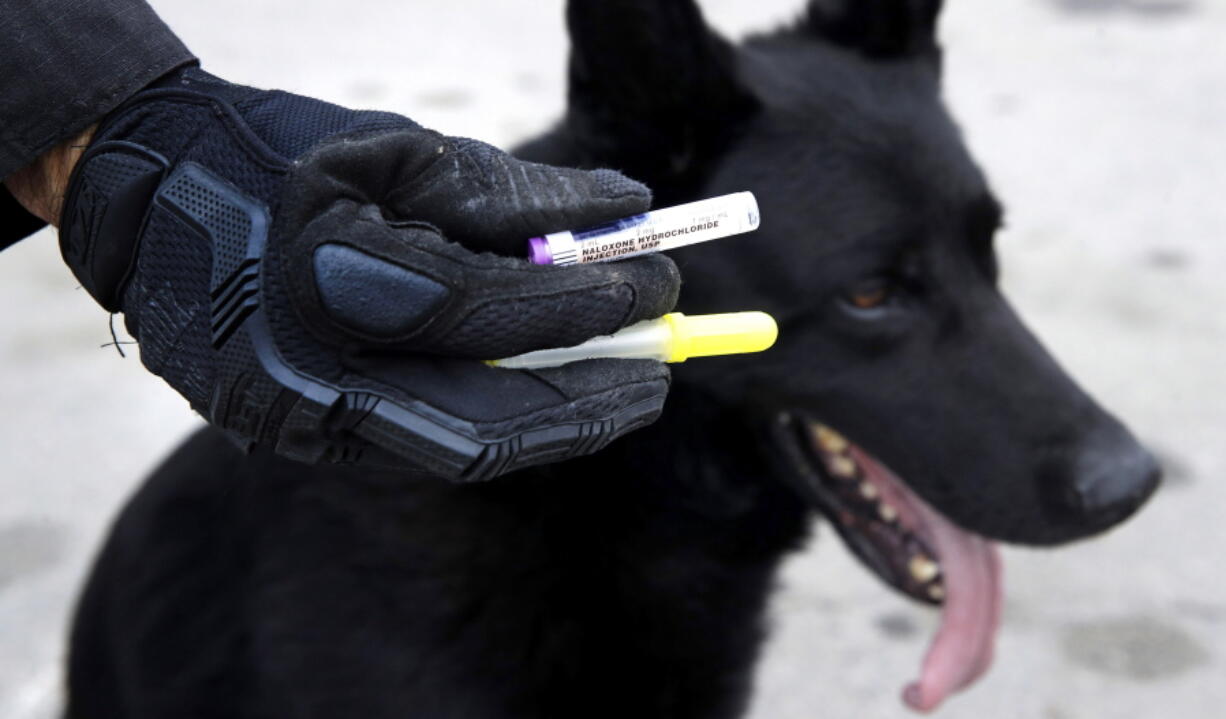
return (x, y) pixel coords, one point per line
(963, 646)
(962, 649)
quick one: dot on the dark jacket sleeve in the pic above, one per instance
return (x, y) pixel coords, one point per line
(63, 65)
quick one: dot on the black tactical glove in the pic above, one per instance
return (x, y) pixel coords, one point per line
(328, 281)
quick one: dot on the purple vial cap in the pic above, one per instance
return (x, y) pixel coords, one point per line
(539, 252)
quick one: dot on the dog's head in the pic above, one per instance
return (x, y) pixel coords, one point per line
(876, 255)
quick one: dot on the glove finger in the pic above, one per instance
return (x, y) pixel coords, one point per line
(486, 199)
(507, 419)
(404, 287)
(514, 308)
(474, 193)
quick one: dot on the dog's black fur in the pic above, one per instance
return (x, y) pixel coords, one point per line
(634, 583)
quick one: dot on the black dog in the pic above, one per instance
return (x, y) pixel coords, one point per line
(633, 583)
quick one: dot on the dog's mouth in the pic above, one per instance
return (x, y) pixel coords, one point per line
(911, 547)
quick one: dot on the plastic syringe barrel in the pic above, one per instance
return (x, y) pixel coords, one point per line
(650, 339)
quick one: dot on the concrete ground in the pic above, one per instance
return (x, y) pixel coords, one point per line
(1100, 123)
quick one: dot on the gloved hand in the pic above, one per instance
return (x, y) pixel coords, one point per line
(328, 281)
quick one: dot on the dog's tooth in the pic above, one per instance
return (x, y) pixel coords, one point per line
(887, 512)
(842, 466)
(829, 440)
(936, 592)
(923, 569)
(868, 490)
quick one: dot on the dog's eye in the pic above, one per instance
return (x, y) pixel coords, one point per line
(869, 294)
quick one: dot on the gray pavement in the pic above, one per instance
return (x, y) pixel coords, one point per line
(1100, 124)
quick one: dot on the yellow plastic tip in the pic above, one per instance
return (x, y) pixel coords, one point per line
(724, 334)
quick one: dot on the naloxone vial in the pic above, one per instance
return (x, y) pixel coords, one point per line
(654, 231)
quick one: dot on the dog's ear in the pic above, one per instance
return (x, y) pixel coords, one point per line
(884, 29)
(653, 90)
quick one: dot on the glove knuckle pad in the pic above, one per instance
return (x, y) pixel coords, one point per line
(373, 297)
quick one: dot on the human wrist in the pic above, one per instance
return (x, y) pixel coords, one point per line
(40, 186)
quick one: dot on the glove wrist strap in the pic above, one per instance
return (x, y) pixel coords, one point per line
(107, 202)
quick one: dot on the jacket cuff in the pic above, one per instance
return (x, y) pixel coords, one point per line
(67, 63)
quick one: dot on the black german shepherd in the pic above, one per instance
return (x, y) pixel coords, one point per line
(633, 584)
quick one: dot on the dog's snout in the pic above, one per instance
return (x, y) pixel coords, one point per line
(1112, 476)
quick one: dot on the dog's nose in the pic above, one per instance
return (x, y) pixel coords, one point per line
(1113, 475)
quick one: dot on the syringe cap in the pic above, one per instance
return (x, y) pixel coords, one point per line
(722, 334)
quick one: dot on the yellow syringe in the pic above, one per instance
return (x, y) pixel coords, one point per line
(671, 338)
